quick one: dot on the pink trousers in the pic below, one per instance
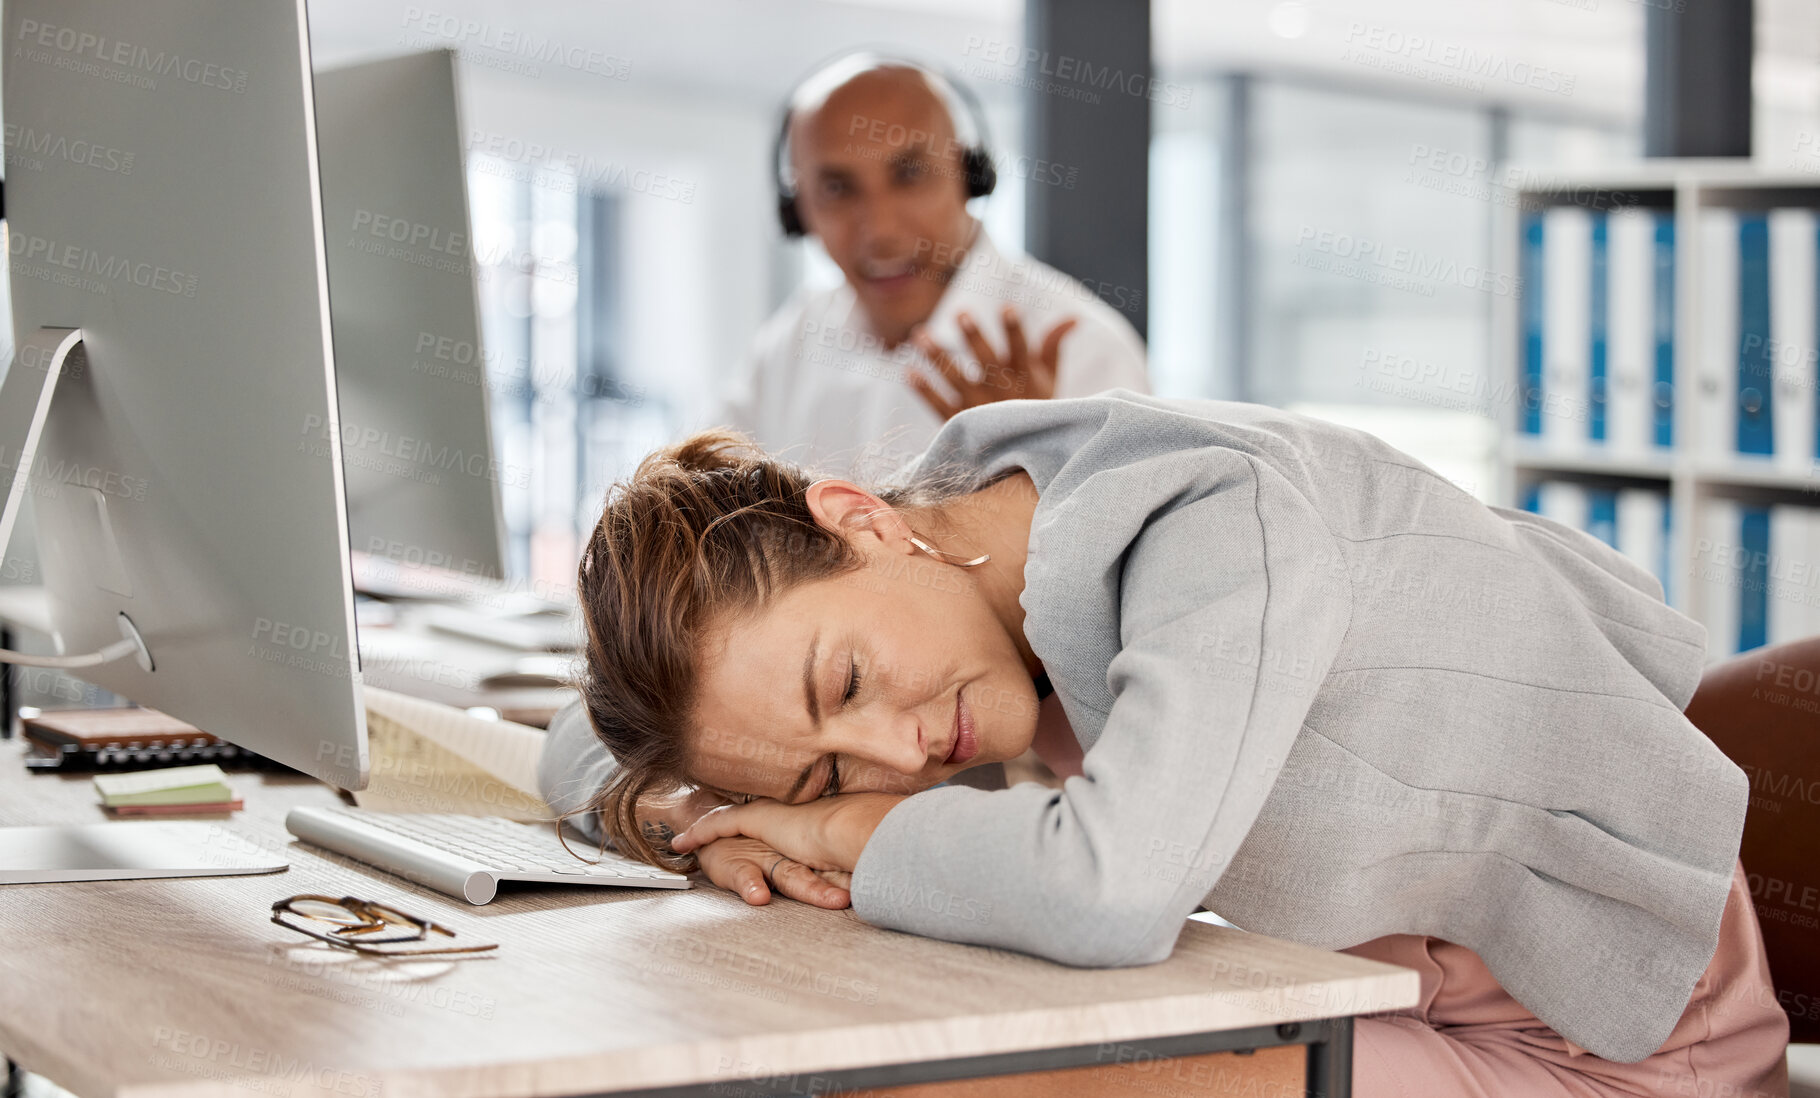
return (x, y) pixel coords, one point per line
(1467, 1038)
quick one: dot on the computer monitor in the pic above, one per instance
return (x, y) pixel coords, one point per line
(185, 467)
(422, 484)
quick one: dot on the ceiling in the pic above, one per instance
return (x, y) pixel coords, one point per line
(1565, 57)
(694, 49)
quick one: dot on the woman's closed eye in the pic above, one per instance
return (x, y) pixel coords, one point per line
(847, 696)
(853, 678)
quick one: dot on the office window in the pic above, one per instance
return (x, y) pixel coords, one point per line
(565, 421)
(1360, 248)
(1785, 84)
(1355, 177)
(1360, 235)
(1554, 144)
(1367, 253)
(1190, 355)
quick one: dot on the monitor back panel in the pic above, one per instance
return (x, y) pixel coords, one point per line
(423, 484)
(162, 196)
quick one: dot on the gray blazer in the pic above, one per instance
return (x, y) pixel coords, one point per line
(1332, 697)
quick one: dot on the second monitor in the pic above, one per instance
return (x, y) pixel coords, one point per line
(423, 486)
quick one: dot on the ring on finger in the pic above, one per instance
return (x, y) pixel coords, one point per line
(772, 872)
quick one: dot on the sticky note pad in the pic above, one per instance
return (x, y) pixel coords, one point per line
(173, 785)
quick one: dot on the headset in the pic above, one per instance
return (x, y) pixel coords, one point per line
(976, 159)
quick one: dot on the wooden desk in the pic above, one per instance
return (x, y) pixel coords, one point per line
(154, 988)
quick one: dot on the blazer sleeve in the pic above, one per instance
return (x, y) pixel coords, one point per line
(573, 767)
(1232, 609)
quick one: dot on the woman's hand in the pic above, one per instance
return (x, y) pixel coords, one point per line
(827, 833)
(742, 866)
(663, 815)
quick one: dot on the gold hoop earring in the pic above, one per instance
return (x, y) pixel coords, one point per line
(948, 558)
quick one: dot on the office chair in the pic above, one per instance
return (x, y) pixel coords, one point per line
(1762, 708)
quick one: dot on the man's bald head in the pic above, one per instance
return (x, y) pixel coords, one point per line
(847, 99)
(879, 174)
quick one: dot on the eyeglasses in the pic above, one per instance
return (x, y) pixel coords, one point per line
(363, 926)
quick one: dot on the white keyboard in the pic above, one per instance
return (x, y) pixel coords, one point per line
(467, 856)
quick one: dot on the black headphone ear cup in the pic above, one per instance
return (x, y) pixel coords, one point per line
(788, 218)
(982, 177)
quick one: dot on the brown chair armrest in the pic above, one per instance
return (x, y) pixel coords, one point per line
(1762, 709)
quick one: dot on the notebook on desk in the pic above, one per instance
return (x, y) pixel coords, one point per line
(430, 757)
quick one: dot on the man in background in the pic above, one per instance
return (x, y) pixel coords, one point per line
(932, 317)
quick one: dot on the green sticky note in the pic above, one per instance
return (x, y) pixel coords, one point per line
(204, 784)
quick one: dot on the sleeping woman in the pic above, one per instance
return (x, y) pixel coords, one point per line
(1286, 672)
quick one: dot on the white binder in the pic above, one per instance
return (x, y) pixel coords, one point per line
(1718, 546)
(1789, 581)
(1641, 513)
(1792, 251)
(1716, 373)
(1564, 501)
(1631, 336)
(1566, 328)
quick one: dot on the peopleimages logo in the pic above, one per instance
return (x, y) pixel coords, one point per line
(1395, 265)
(402, 455)
(252, 1067)
(86, 52)
(1065, 76)
(517, 51)
(567, 171)
(413, 233)
(1451, 63)
(27, 249)
(27, 148)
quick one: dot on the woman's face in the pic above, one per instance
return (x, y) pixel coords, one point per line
(897, 676)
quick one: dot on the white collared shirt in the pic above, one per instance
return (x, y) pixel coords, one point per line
(819, 388)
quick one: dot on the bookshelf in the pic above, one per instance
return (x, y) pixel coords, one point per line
(1692, 471)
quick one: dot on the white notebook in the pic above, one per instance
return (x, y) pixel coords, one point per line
(430, 757)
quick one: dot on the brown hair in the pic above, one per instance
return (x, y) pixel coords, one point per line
(708, 527)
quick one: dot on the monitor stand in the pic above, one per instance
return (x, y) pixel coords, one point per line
(25, 402)
(98, 851)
